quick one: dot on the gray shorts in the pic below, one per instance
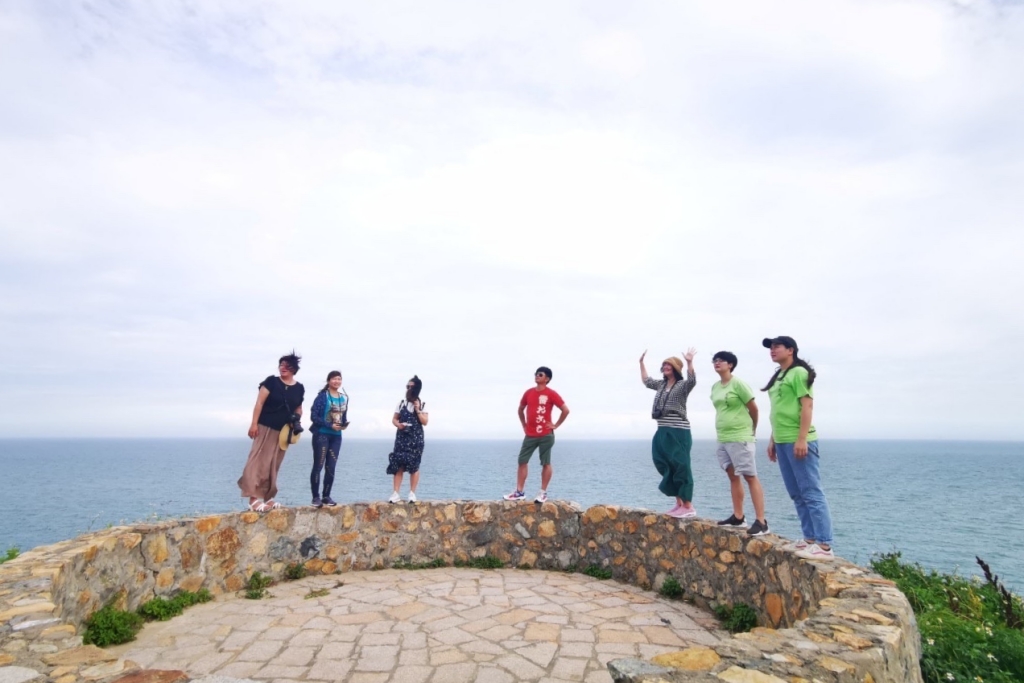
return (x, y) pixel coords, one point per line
(740, 455)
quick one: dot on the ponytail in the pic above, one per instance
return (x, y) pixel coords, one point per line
(797, 363)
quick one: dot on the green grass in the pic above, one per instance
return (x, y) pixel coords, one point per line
(671, 588)
(598, 572)
(256, 589)
(295, 571)
(738, 618)
(965, 623)
(9, 555)
(110, 626)
(432, 564)
(485, 562)
(161, 609)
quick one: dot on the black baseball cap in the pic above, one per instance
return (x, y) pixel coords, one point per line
(788, 342)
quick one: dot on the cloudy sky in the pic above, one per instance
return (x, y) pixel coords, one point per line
(468, 190)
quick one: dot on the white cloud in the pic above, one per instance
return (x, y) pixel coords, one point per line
(466, 192)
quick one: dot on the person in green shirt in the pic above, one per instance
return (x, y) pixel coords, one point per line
(736, 423)
(794, 445)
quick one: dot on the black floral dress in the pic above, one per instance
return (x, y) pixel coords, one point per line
(408, 442)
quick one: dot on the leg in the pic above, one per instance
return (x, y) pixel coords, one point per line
(784, 452)
(525, 453)
(398, 480)
(545, 476)
(685, 474)
(736, 490)
(545, 445)
(319, 456)
(330, 462)
(757, 496)
(414, 480)
(809, 480)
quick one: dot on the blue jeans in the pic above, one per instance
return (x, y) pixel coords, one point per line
(325, 457)
(803, 483)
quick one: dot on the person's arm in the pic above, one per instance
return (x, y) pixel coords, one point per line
(394, 421)
(316, 415)
(752, 409)
(421, 414)
(643, 368)
(771, 448)
(691, 377)
(806, 410)
(522, 414)
(563, 412)
(261, 398)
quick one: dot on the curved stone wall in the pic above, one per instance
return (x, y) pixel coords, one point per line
(829, 621)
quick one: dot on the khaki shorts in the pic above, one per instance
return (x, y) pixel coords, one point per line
(532, 443)
(739, 454)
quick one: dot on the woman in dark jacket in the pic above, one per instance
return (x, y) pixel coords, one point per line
(330, 417)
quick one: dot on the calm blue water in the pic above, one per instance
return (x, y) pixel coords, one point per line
(940, 503)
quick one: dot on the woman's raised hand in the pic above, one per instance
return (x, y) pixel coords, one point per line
(642, 356)
(690, 353)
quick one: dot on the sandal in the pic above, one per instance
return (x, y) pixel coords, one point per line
(272, 505)
(258, 506)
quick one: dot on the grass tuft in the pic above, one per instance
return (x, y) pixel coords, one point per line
(738, 618)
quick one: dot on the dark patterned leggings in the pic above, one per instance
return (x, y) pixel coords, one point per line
(325, 457)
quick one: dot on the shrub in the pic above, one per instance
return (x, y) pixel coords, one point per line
(110, 626)
(256, 589)
(432, 564)
(160, 609)
(738, 618)
(9, 555)
(317, 593)
(671, 588)
(963, 623)
(295, 571)
(598, 572)
(485, 562)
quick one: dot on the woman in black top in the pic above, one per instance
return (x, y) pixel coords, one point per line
(279, 399)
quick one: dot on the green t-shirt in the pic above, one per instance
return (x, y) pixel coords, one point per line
(785, 396)
(732, 419)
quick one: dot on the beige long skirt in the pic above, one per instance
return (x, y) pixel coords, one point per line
(259, 478)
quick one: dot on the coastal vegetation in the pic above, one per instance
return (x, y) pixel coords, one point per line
(738, 618)
(972, 630)
(9, 555)
(598, 572)
(112, 626)
(256, 588)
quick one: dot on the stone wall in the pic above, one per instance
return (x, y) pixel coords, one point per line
(830, 621)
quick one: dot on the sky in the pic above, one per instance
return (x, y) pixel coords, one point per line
(466, 191)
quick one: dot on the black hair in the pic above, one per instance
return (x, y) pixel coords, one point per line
(728, 356)
(414, 393)
(331, 375)
(797, 363)
(546, 370)
(292, 360)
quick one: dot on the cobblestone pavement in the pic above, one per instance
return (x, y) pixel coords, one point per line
(445, 625)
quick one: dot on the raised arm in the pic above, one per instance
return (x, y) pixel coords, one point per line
(643, 369)
(691, 377)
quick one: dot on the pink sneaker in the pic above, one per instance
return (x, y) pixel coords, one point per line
(675, 508)
(687, 512)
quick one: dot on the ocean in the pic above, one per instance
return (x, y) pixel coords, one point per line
(939, 503)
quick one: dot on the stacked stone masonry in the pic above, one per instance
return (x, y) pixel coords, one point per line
(820, 620)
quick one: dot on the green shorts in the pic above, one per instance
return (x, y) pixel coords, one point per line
(532, 443)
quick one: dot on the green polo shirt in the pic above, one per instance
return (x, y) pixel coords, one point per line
(785, 396)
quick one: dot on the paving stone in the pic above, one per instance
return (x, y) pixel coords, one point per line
(18, 674)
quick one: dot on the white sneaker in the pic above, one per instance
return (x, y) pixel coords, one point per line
(395, 498)
(816, 552)
(412, 496)
(796, 545)
(542, 497)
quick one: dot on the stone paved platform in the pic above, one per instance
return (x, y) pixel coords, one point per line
(417, 626)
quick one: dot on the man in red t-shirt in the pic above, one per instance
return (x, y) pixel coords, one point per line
(535, 412)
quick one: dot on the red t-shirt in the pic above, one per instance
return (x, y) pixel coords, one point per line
(539, 407)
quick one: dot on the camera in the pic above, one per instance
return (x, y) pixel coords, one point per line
(656, 414)
(295, 422)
